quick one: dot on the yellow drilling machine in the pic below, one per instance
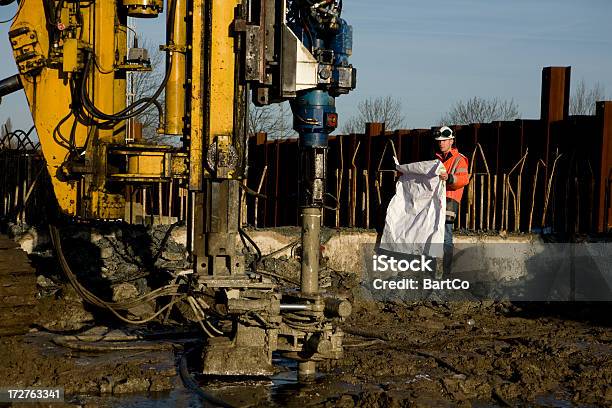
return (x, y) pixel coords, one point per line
(73, 58)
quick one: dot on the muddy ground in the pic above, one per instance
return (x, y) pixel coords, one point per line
(397, 354)
(489, 353)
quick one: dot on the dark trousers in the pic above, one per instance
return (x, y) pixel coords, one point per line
(448, 248)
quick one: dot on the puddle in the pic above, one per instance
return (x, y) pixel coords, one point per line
(274, 391)
(179, 397)
(277, 391)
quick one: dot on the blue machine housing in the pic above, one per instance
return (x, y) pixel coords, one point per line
(315, 110)
(314, 117)
(342, 44)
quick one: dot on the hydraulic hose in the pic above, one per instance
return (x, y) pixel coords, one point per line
(10, 85)
(144, 103)
(113, 307)
(208, 400)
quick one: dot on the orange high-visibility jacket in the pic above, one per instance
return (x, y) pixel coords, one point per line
(456, 166)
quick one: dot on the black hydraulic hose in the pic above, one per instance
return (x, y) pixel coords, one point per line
(10, 85)
(248, 238)
(129, 111)
(58, 11)
(113, 307)
(208, 400)
(160, 113)
(146, 102)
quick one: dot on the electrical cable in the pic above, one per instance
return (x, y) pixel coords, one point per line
(132, 30)
(208, 400)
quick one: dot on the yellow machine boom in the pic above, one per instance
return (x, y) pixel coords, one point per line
(73, 60)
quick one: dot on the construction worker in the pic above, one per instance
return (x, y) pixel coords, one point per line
(456, 177)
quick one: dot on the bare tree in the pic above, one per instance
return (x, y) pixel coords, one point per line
(6, 129)
(382, 109)
(145, 83)
(480, 110)
(583, 99)
(274, 120)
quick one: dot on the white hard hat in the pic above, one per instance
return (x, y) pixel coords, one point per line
(444, 133)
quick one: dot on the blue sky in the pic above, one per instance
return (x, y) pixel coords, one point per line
(430, 54)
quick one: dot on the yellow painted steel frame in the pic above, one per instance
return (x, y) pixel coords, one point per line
(49, 59)
(222, 70)
(98, 26)
(214, 92)
(175, 88)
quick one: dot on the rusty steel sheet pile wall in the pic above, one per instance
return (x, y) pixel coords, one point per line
(547, 174)
(20, 167)
(573, 182)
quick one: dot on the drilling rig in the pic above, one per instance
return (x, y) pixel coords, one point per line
(73, 58)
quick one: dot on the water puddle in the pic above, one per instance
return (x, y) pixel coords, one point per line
(276, 391)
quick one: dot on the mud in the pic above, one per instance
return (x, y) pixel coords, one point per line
(492, 353)
(34, 361)
(398, 353)
(455, 354)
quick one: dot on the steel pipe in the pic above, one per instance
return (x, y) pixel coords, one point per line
(295, 307)
(311, 229)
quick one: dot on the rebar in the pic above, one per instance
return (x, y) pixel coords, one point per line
(259, 186)
(548, 187)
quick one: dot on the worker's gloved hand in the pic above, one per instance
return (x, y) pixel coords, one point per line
(444, 176)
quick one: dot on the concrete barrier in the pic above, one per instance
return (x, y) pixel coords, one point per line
(479, 256)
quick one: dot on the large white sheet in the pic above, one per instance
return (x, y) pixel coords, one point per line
(416, 214)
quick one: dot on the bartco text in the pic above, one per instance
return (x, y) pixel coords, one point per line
(425, 283)
(384, 263)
